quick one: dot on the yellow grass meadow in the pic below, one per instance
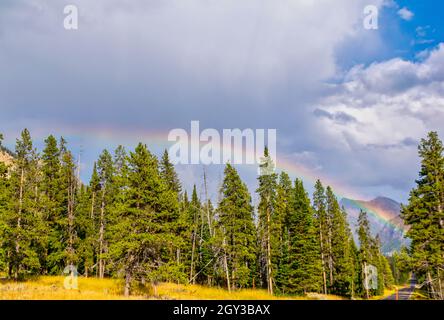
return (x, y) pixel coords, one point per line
(52, 288)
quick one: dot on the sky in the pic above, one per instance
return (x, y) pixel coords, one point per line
(349, 104)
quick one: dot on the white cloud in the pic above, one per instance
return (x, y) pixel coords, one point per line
(391, 101)
(405, 14)
(394, 104)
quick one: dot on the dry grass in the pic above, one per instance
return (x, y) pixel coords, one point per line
(193, 292)
(387, 293)
(52, 288)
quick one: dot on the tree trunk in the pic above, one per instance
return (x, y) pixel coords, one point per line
(330, 252)
(92, 205)
(101, 236)
(193, 249)
(70, 221)
(431, 287)
(192, 258)
(269, 267)
(127, 288)
(208, 205)
(154, 286)
(440, 286)
(19, 222)
(227, 273)
(324, 276)
(352, 294)
(366, 281)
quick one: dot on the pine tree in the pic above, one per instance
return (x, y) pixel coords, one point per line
(379, 263)
(280, 234)
(305, 269)
(340, 253)
(320, 207)
(389, 280)
(236, 231)
(369, 256)
(117, 215)
(425, 215)
(4, 189)
(356, 284)
(194, 211)
(105, 172)
(91, 216)
(143, 243)
(94, 187)
(168, 173)
(400, 263)
(199, 239)
(266, 210)
(22, 216)
(52, 205)
(365, 242)
(183, 231)
(206, 252)
(85, 228)
(69, 186)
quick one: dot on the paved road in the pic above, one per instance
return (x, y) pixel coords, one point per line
(404, 294)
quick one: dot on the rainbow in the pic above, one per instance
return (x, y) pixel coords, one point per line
(115, 135)
(340, 190)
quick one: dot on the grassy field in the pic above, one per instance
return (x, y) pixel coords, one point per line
(52, 288)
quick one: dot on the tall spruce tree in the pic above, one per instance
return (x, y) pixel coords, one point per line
(21, 221)
(320, 211)
(143, 242)
(370, 256)
(236, 231)
(168, 173)
(365, 249)
(280, 234)
(356, 284)
(194, 211)
(105, 170)
(183, 231)
(400, 263)
(305, 269)
(85, 229)
(389, 280)
(69, 185)
(200, 240)
(425, 215)
(91, 228)
(266, 211)
(378, 261)
(4, 210)
(340, 253)
(52, 205)
(206, 254)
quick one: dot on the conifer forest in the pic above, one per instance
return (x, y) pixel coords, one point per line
(133, 221)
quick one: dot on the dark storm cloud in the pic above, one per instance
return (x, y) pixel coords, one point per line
(157, 65)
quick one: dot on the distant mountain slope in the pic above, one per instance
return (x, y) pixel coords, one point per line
(5, 157)
(385, 220)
